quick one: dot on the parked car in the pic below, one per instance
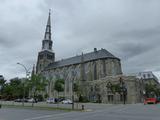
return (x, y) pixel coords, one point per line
(61, 99)
(18, 100)
(31, 100)
(50, 100)
(150, 101)
(21, 100)
(25, 100)
(67, 101)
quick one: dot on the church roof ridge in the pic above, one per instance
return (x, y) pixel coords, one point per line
(96, 54)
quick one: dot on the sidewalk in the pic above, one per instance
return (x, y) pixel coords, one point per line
(77, 106)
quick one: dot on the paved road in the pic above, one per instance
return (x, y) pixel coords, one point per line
(100, 112)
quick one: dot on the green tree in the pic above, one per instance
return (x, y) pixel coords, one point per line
(77, 90)
(13, 89)
(116, 88)
(152, 90)
(59, 85)
(37, 84)
(7, 91)
(17, 88)
(2, 83)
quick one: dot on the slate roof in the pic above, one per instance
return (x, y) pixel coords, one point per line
(97, 54)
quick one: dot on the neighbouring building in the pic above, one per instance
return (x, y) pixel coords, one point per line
(148, 77)
(101, 89)
(97, 68)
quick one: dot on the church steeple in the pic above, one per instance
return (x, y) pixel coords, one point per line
(47, 41)
(46, 55)
(47, 35)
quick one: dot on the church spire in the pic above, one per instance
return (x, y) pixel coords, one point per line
(47, 35)
(46, 55)
(47, 41)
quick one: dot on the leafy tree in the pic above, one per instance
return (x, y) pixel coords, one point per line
(7, 91)
(17, 88)
(76, 87)
(116, 88)
(37, 84)
(2, 83)
(59, 85)
(13, 89)
(152, 90)
(77, 90)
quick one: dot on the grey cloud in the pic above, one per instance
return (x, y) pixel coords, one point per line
(4, 42)
(133, 49)
(146, 33)
(128, 29)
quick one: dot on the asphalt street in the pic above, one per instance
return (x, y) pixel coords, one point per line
(99, 112)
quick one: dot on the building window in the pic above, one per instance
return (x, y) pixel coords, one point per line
(41, 57)
(104, 68)
(50, 45)
(49, 57)
(91, 89)
(95, 71)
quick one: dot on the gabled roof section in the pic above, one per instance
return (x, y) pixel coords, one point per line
(100, 54)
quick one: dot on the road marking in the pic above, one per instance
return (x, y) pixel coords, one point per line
(40, 117)
(46, 116)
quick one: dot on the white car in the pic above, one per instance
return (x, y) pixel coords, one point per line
(67, 101)
(31, 100)
(50, 100)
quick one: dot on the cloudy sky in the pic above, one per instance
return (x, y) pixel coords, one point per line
(129, 29)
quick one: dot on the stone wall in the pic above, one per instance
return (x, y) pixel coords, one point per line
(87, 71)
(98, 90)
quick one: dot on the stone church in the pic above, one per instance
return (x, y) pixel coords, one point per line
(89, 70)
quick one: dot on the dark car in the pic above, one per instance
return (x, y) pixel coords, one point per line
(60, 99)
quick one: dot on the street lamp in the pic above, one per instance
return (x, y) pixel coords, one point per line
(27, 73)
